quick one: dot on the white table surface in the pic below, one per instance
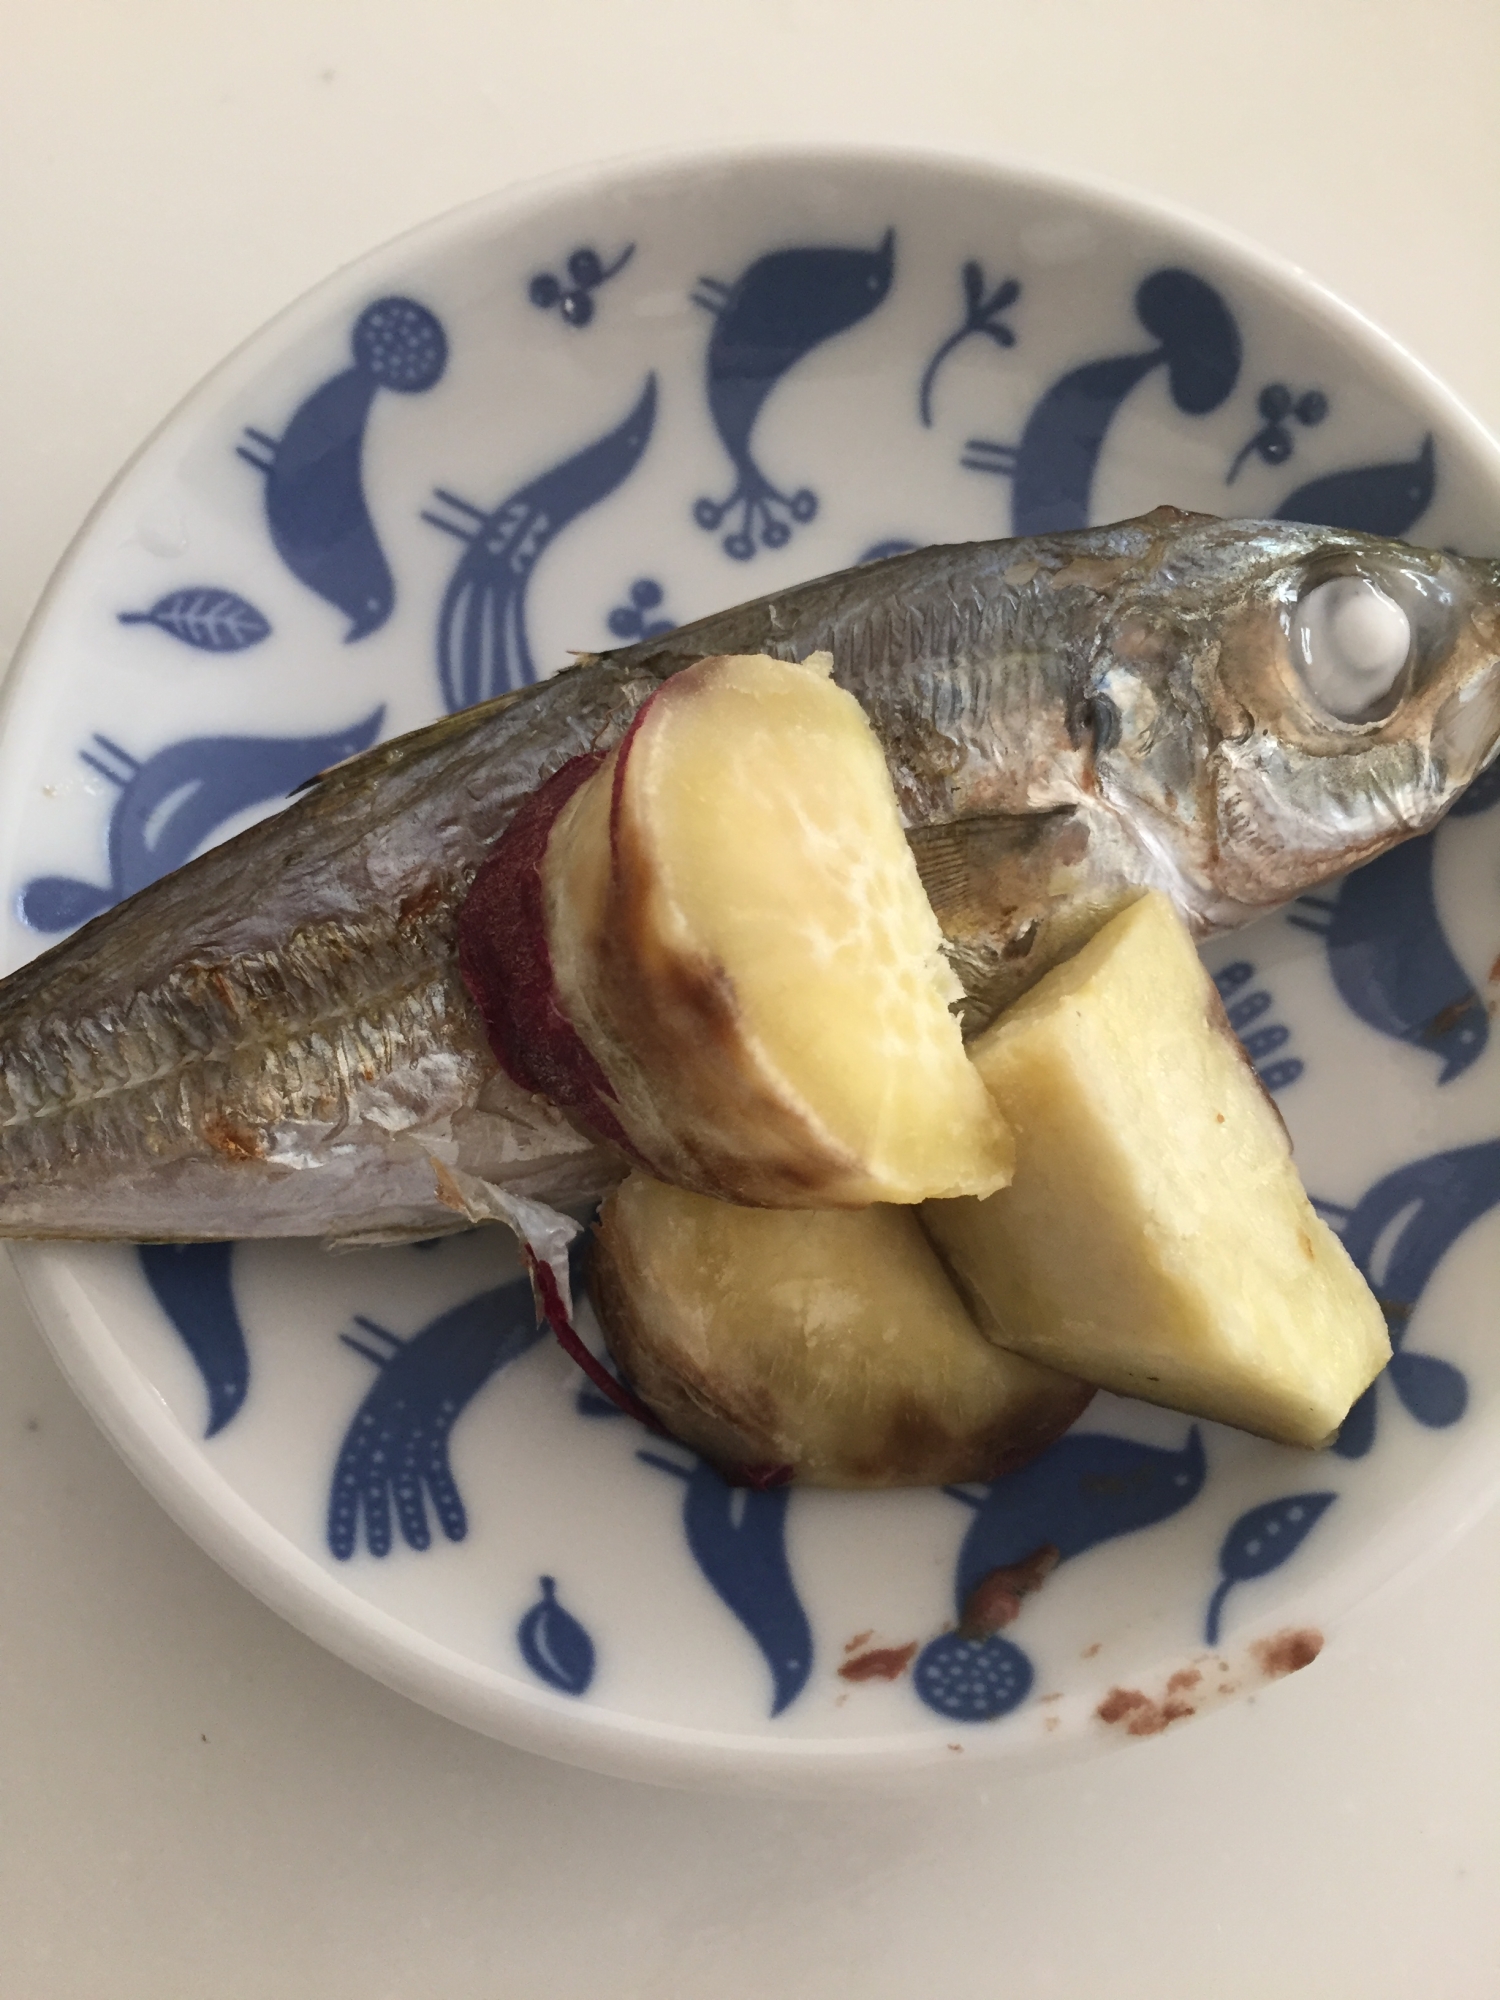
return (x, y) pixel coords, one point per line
(194, 1800)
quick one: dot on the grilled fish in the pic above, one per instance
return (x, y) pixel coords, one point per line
(274, 1040)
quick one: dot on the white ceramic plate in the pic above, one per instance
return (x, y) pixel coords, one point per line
(633, 396)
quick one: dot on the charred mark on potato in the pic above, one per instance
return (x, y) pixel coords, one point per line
(821, 1345)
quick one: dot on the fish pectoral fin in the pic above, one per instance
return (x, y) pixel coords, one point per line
(976, 871)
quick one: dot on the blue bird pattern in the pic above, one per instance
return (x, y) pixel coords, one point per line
(1088, 1488)
(173, 802)
(774, 314)
(1052, 468)
(1397, 1234)
(395, 1452)
(483, 648)
(1263, 1041)
(553, 1643)
(1389, 955)
(192, 1283)
(1259, 1541)
(205, 617)
(738, 1540)
(1386, 499)
(316, 510)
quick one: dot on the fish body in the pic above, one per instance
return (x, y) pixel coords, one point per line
(275, 1040)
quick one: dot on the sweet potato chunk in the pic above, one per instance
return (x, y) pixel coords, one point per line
(825, 1343)
(735, 943)
(1156, 1239)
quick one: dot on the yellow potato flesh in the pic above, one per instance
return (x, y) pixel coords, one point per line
(753, 962)
(1156, 1239)
(827, 1342)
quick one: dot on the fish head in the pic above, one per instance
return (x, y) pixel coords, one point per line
(1273, 704)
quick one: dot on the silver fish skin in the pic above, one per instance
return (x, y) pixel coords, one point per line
(275, 1041)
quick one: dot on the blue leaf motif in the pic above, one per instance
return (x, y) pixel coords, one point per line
(1261, 1540)
(395, 1450)
(972, 1680)
(738, 1540)
(215, 621)
(983, 315)
(554, 1645)
(191, 1282)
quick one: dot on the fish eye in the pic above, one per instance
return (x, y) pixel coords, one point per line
(1351, 641)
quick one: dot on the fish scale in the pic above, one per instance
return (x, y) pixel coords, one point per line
(274, 1039)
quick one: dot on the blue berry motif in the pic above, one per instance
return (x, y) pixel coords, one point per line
(171, 804)
(738, 1540)
(878, 551)
(554, 1645)
(1397, 1235)
(972, 1680)
(212, 620)
(633, 619)
(1051, 470)
(396, 1447)
(1279, 409)
(316, 510)
(1260, 1541)
(982, 316)
(574, 300)
(483, 648)
(1261, 1043)
(191, 1282)
(1373, 499)
(777, 311)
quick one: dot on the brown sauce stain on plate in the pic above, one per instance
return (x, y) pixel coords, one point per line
(882, 1663)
